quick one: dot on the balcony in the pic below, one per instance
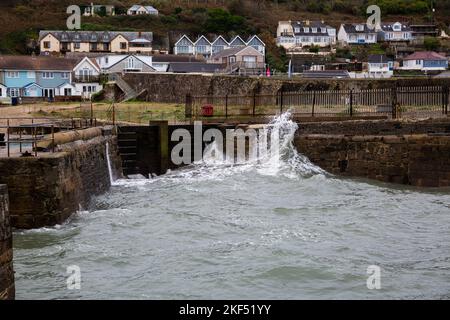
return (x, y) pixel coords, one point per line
(85, 78)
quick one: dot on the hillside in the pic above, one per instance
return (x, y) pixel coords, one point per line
(21, 20)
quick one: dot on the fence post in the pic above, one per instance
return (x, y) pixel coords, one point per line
(281, 100)
(226, 106)
(7, 136)
(394, 101)
(254, 103)
(313, 103)
(188, 106)
(445, 96)
(351, 103)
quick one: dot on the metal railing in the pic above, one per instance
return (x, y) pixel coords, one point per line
(22, 135)
(406, 102)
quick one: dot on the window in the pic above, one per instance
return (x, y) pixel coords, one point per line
(106, 60)
(314, 30)
(1, 92)
(417, 62)
(123, 45)
(14, 92)
(297, 30)
(47, 75)
(12, 74)
(77, 45)
(65, 75)
(46, 44)
(306, 29)
(130, 63)
(31, 75)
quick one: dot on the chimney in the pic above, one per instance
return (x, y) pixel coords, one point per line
(307, 22)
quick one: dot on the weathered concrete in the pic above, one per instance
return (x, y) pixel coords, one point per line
(46, 190)
(7, 289)
(419, 160)
(175, 87)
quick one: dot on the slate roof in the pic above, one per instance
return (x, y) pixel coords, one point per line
(389, 26)
(194, 67)
(37, 63)
(312, 24)
(425, 55)
(174, 58)
(95, 36)
(326, 74)
(379, 58)
(351, 28)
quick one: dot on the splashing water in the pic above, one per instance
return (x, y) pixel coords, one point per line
(273, 154)
(108, 159)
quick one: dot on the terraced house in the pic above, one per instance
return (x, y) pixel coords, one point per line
(95, 41)
(206, 48)
(357, 33)
(48, 77)
(294, 35)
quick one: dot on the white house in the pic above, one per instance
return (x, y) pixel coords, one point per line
(298, 34)
(86, 79)
(125, 63)
(357, 33)
(138, 9)
(395, 32)
(380, 66)
(425, 61)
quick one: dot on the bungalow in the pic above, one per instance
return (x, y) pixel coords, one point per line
(297, 34)
(125, 63)
(425, 61)
(29, 76)
(184, 46)
(219, 44)
(380, 66)
(95, 41)
(357, 34)
(395, 32)
(138, 10)
(100, 9)
(240, 59)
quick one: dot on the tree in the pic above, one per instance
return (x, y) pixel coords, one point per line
(431, 43)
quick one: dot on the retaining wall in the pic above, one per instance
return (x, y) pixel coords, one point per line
(46, 190)
(7, 289)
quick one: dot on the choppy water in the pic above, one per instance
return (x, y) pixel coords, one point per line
(263, 230)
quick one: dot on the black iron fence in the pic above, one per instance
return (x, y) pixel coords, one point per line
(393, 102)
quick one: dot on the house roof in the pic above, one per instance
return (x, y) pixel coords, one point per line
(232, 52)
(309, 24)
(95, 36)
(175, 58)
(237, 39)
(425, 55)
(220, 38)
(351, 28)
(37, 63)
(379, 58)
(389, 26)
(326, 74)
(194, 67)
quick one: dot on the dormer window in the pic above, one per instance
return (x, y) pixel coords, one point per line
(323, 30)
(314, 30)
(359, 27)
(306, 29)
(297, 30)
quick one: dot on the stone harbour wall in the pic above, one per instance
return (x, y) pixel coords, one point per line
(419, 159)
(46, 190)
(174, 87)
(7, 289)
